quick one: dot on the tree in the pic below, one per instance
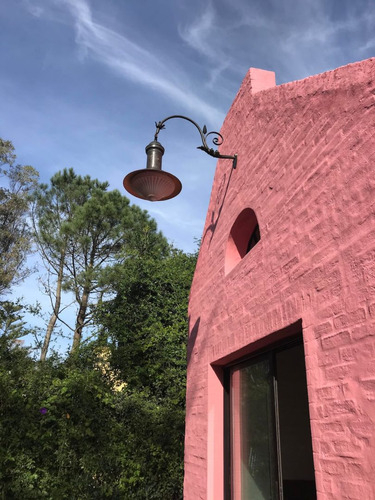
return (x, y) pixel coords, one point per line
(15, 234)
(68, 429)
(145, 326)
(17, 181)
(82, 229)
(60, 432)
(147, 321)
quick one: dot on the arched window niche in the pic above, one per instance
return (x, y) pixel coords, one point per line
(243, 236)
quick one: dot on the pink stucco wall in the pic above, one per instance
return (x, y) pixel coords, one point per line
(306, 156)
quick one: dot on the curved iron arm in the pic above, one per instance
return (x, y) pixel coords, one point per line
(204, 134)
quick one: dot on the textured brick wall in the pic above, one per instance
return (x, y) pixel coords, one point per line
(306, 155)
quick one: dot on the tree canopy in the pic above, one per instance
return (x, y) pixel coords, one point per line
(82, 229)
(17, 183)
(106, 421)
(145, 327)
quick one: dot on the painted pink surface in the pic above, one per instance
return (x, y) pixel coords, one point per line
(306, 155)
(261, 79)
(238, 239)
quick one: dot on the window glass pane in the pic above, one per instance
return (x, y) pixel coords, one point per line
(252, 433)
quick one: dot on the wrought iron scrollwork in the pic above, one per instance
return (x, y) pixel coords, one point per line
(217, 140)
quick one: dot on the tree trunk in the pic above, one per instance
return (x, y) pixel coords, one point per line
(81, 316)
(56, 309)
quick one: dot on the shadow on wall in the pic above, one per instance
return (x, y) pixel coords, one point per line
(220, 200)
(192, 339)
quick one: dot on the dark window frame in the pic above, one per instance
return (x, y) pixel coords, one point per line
(268, 352)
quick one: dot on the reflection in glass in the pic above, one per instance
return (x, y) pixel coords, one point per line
(254, 472)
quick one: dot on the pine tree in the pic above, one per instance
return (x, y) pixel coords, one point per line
(81, 230)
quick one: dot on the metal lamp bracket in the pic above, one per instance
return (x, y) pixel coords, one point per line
(217, 140)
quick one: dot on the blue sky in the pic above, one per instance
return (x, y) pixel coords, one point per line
(83, 81)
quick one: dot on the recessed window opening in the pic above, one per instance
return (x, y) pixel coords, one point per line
(243, 236)
(268, 428)
(254, 238)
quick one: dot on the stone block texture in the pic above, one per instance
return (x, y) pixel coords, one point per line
(306, 161)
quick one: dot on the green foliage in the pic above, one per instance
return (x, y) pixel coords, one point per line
(12, 324)
(82, 230)
(146, 328)
(16, 183)
(66, 433)
(15, 233)
(147, 322)
(108, 421)
(53, 429)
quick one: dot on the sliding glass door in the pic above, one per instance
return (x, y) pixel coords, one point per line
(269, 439)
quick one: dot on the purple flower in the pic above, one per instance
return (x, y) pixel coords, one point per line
(43, 411)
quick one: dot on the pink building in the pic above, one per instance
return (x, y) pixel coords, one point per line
(281, 372)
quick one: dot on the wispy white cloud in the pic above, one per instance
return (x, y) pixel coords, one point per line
(133, 62)
(35, 10)
(205, 36)
(325, 42)
(302, 38)
(199, 33)
(370, 44)
(323, 30)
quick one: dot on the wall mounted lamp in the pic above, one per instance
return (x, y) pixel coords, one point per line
(154, 184)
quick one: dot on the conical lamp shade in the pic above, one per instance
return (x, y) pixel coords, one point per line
(152, 185)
